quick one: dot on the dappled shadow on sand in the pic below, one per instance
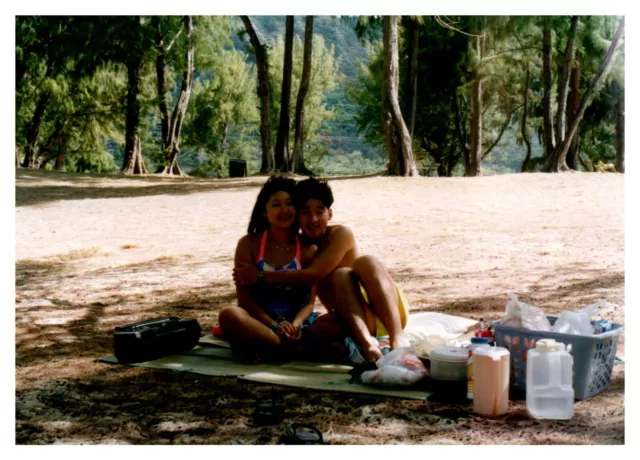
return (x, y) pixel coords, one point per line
(36, 187)
(41, 187)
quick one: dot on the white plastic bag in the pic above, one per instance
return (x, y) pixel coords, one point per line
(399, 367)
(577, 322)
(523, 315)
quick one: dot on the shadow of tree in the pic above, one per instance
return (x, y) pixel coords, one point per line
(35, 187)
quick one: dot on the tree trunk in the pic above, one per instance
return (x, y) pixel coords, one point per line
(133, 163)
(523, 124)
(225, 130)
(160, 84)
(547, 115)
(475, 155)
(262, 63)
(171, 166)
(411, 74)
(620, 134)
(462, 137)
(397, 137)
(282, 141)
(298, 157)
(557, 162)
(573, 103)
(34, 130)
(563, 84)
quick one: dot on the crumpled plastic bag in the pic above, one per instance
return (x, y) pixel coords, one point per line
(523, 315)
(400, 367)
(577, 322)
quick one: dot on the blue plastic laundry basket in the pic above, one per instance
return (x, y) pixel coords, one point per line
(593, 356)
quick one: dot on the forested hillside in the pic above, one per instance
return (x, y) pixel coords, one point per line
(406, 95)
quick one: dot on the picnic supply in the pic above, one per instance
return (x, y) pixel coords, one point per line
(549, 381)
(520, 314)
(485, 332)
(268, 411)
(449, 364)
(491, 381)
(602, 325)
(399, 367)
(154, 338)
(577, 322)
(301, 434)
(476, 342)
(593, 355)
(429, 330)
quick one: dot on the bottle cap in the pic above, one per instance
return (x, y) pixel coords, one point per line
(479, 340)
(549, 345)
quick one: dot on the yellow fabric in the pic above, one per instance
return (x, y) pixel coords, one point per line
(403, 308)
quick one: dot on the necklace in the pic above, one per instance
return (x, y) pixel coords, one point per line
(282, 248)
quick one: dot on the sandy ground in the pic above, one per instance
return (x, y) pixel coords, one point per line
(94, 252)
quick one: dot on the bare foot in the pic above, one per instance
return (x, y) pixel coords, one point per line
(371, 352)
(399, 342)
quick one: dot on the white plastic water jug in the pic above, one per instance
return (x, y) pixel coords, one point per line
(550, 381)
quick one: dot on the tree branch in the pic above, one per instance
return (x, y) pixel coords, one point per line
(502, 130)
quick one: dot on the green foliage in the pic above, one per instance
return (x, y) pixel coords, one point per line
(325, 75)
(225, 102)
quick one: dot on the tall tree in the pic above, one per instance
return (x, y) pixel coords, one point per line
(557, 161)
(397, 137)
(475, 154)
(620, 130)
(547, 112)
(563, 83)
(171, 143)
(412, 31)
(298, 157)
(281, 153)
(573, 104)
(526, 136)
(262, 62)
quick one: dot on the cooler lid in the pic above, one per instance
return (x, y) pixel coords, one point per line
(450, 354)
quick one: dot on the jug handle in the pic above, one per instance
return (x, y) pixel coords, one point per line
(554, 369)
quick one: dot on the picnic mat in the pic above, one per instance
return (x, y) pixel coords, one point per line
(213, 357)
(214, 361)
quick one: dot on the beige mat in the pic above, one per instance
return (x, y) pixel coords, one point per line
(216, 361)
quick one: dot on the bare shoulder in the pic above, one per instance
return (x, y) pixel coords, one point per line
(249, 240)
(247, 246)
(339, 232)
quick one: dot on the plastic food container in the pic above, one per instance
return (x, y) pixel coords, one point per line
(449, 364)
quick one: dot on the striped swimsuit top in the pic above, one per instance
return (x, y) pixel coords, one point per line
(264, 266)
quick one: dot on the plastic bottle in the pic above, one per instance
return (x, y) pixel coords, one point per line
(550, 393)
(491, 381)
(475, 343)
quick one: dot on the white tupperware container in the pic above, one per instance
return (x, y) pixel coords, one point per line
(449, 364)
(550, 393)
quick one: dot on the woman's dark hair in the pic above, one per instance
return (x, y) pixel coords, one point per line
(259, 222)
(313, 189)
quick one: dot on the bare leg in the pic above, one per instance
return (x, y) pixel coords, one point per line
(324, 339)
(383, 297)
(350, 306)
(243, 330)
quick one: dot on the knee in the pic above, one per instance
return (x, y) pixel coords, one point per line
(342, 276)
(230, 317)
(368, 267)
